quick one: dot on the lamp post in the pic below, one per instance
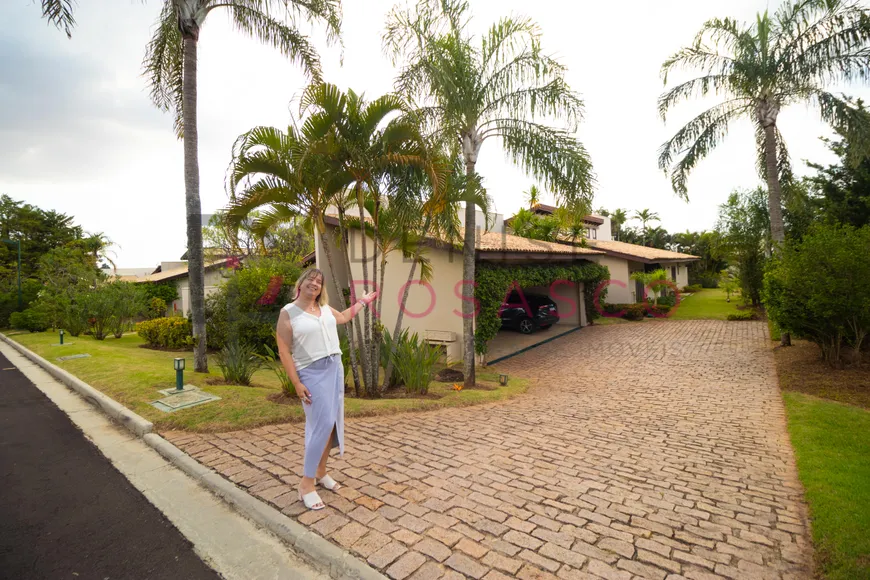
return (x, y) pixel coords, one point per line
(179, 374)
(17, 243)
(502, 380)
(61, 337)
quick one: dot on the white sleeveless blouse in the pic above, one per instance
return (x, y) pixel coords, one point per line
(313, 337)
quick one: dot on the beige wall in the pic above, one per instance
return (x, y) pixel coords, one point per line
(682, 275)
(442, 309)
(619, 272)
(563, 295)
(213, 279)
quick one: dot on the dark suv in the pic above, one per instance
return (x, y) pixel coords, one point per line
(542, 313)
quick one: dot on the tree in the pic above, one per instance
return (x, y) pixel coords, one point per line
(532, 196)
(841, 192)
(617, 220)
(645, 216)
(170, 65)
(374, 145)
(498, 87)
(744, 232)
(761, 68)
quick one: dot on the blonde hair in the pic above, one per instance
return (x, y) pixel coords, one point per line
(323, 299)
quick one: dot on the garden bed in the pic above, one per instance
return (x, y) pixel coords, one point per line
(132, 376)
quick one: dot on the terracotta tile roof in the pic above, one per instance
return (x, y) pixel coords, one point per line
(642, 252)
(172, 274)
(498, 242)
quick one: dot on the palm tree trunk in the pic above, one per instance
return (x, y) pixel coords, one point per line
(354, 324)
(195, 266)
(376, 334)
(468, 254)
(774, 201)
(365, 344)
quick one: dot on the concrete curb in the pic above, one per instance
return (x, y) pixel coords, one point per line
(109, 406)
(316, 549)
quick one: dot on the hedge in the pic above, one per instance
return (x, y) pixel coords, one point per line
(172, 332)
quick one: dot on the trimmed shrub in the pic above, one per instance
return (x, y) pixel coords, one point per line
(692, 288)
(172, 332)
(238, 363)
(743, 315)
(634, 311)
(31, 320)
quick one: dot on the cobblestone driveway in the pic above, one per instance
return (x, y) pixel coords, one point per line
(654, 450)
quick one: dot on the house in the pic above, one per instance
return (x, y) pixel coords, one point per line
(434, 310)
(176, 272)
(624, 259)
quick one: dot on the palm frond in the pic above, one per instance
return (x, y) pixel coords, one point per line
(849, 119)
(60, 14)
(698, 87)
(163, 64)
(260, 25)
(697, 138)
(551, 155)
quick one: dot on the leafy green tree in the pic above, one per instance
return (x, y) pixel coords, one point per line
(789, 58)
(617, 220)
(129, 302)
(170, 65)
(744, 228)
(532, 196)
(819, 289)
(500, 86)
(841, 192)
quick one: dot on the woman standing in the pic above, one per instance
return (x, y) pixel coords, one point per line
(310, 352)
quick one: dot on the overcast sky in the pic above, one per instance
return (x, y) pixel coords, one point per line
(79, 135)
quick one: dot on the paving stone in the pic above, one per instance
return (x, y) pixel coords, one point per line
(386, 555)
(672, 439)
(406, 565)
(465, 565)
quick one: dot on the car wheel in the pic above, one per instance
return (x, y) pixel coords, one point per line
(527, 326)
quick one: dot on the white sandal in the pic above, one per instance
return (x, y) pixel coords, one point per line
(312, 501)
(329, 483)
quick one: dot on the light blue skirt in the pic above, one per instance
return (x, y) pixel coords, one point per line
(324, 417)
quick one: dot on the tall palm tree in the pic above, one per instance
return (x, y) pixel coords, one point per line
(759, 69)
(645, 216)
(617, 220)
(533, 196)
(497, 87)
(376, 144)
(170, 65)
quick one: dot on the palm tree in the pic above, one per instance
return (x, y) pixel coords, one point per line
(376, 143)
(497, 87)
(617, 220)
(533, 196)
(646, 216)
(170, 65)
(761, 68)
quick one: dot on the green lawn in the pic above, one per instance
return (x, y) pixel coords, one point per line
(132, 376)
(708, 304)
(832, 445)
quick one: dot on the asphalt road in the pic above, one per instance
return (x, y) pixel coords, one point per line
(65, 511)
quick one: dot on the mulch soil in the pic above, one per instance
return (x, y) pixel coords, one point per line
(802, 369)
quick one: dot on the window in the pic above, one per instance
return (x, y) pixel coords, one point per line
(674, 273)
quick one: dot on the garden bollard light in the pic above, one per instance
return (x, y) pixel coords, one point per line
(61, 337)
(502, 380)
(179, 374)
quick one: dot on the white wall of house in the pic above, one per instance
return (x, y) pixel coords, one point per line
(605, 232)
(479, 222)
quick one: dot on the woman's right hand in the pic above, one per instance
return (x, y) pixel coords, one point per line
(303, 393)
